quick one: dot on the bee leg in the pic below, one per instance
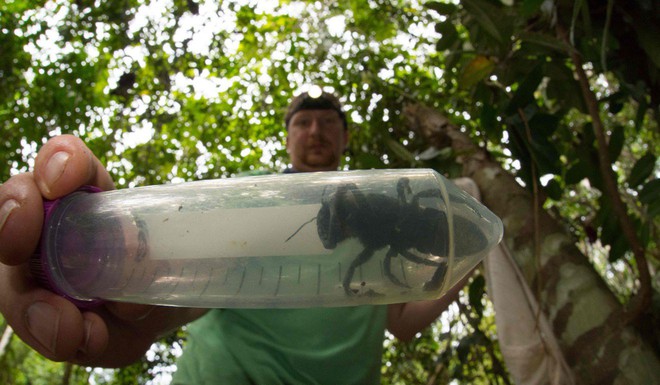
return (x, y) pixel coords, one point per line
(419, 260)
(363, 257)
(436, 280)
(403, 187)
(430, 193)
(388, 268)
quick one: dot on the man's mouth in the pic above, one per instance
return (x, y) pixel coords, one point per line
(318, 146)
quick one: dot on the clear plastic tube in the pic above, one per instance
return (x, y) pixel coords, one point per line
(286, 240)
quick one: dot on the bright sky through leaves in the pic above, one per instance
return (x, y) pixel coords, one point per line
(196, 35)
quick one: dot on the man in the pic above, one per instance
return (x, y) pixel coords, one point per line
(234, 346)
(317, 133)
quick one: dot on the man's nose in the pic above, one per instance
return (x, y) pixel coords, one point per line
(315, 127)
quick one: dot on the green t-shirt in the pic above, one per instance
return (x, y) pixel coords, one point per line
(285, 346)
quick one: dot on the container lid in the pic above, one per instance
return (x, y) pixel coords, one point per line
(40, 264)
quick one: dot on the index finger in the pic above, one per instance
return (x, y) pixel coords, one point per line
(21, 219)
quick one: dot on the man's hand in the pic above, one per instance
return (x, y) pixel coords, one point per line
(113, 335)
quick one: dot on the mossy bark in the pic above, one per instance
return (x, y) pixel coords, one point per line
(586, 317)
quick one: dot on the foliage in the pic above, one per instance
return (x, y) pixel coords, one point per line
(21, 365)
(178, 90)
(515, 73)
(461, 347)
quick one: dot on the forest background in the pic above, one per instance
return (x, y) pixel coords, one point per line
(552, 106)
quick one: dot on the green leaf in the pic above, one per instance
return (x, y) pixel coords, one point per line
(576, 172)
(609, 222)
(463, 348)
(563, 88)
(545, 41)
(649, 195)
(449, 35)
(524, 95)
(616, 107)
(400, 151)
(554, 190)
(488, 121)
(641, 170)
(368, 161)
(452, 59)
(647, 37)
(442, 8)
(618, 248)
(476, 70)
(641, 114)
(650, 191)
(653, 208)
(530, 7)
(616, 142)
(476, 293)
(543, 125)
(482, 12)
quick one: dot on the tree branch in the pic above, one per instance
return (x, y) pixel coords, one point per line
(5, 339)
(639, 303)
(535, 209)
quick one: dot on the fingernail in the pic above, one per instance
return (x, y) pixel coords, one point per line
(88, 331)
(43, 322)
(55, 168)
(6, 210)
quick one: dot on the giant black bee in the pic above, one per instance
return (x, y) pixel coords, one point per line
(402, 224)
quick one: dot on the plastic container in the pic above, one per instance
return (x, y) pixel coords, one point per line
(271, 241)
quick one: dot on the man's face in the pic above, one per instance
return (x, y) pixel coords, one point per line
(316, 140)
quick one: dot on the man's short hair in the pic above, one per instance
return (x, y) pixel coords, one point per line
(326, 101)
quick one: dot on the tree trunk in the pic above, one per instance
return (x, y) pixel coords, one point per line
(586, 317)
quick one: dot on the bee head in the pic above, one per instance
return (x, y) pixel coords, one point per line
(327, 222)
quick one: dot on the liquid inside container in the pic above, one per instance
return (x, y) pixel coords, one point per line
(287, 240)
